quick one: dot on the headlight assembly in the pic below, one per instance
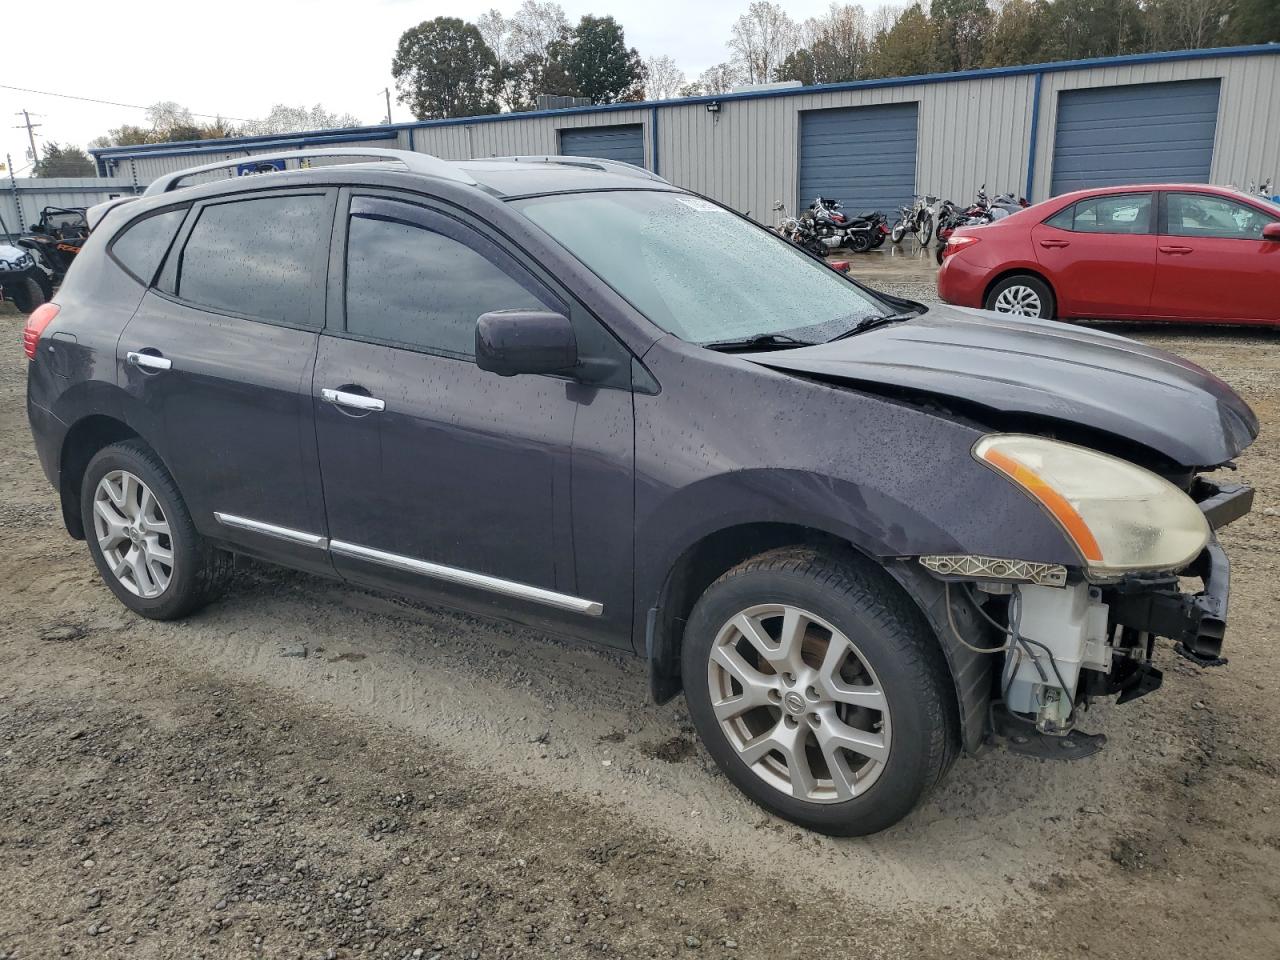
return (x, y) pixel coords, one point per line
(1120, 517)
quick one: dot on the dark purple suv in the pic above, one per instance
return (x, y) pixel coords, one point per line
(860, 534)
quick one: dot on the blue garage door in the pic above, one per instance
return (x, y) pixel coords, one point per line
(1142, 133)
(624, 142)
(865, 157)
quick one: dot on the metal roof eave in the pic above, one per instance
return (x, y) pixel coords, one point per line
(307, 138)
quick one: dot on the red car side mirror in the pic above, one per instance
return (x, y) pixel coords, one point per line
(1271, 231)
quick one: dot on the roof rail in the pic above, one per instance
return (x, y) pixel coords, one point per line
(414, 162)
(590, 163)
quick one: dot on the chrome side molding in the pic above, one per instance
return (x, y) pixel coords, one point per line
(437, 571)
(468, 578)
(271, 530)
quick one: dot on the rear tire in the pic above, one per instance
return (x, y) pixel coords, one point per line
(141, 536)
(1022, 295)
(885, 690)
(860, 243)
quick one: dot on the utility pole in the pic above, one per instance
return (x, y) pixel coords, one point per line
(386, 92)
(31, 135)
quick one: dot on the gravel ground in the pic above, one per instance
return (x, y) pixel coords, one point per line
(308, 770)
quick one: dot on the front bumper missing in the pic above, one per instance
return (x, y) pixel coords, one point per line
(1196, 622)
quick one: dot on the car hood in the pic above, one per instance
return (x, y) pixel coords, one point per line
(1046, 369)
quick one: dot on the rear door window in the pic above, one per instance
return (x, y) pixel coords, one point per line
(141, 246)
(1124, 213)
(261, 258)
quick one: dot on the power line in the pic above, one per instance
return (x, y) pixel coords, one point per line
(116, 103)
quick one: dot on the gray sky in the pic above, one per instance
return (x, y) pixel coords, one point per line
(238, 57)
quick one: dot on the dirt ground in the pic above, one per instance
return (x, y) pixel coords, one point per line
(308, 770)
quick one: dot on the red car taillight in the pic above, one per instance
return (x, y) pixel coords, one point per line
(956, 244)
(39, 318)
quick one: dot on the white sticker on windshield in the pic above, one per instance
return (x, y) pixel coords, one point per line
(702, 206)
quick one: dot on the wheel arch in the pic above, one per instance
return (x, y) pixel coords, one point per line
(703, 561)
(82, 442)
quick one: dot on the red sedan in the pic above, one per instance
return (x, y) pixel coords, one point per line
(1182, 252)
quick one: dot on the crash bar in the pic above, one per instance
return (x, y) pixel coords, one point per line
(414, 162)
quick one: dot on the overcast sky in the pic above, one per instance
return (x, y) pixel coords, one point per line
(238, 58)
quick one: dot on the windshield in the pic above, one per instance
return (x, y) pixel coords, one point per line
(700, 272)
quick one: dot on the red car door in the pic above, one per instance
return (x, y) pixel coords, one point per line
(1100, 255)
(1212, 262)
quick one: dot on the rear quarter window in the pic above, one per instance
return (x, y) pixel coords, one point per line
(141, 246)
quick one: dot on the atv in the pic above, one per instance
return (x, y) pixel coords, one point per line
(56, 238)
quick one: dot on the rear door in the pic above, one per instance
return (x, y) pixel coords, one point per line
(220, 353)
(1100, 255)
(1212, 263)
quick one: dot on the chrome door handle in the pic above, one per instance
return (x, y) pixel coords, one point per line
(148, 361)
(356, 401)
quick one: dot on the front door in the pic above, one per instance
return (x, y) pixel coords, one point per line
(221, 352)
(441, 479)
(1212, 263)
(1100, 256)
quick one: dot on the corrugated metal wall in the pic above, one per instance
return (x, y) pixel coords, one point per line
(34, 194)
(1248, 140)
(971, 131)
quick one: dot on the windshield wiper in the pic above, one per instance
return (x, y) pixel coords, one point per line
(761, 341)
(871, 322)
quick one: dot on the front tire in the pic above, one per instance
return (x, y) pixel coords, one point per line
(27, 294)
(819, 690)
(1022, 295)
(141, 536)
(898, 232)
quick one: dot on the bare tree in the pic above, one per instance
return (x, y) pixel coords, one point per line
(496, 30)
(761, 39)
(286, 119)
(663, 80)
(534, 28)
(721, 78)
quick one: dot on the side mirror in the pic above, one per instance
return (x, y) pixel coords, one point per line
(777, 204)
(1271, 231)
(511, 342)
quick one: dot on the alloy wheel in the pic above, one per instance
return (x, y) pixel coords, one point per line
(133, 534)
(799, 703)
(1019, 300)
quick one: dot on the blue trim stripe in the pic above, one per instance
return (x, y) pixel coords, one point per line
(1035, 134)
(308, 138)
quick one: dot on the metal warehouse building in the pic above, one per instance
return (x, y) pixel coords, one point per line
(1204, 115)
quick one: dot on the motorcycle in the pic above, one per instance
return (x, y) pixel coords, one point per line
(837, 229)
(918, 219)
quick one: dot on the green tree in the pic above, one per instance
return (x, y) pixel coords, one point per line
(59, 161)
(960, 31)
(598, 62)
(443, 68)
(906, 48)
(1019, 34)
(1252, 21)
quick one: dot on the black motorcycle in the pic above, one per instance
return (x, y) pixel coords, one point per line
(835, 228)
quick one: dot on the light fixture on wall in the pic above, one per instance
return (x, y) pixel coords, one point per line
(713, 108)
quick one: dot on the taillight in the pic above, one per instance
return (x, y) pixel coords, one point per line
(39, 318)
(957, 243)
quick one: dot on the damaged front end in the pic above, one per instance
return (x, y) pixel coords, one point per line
(1057, 638)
